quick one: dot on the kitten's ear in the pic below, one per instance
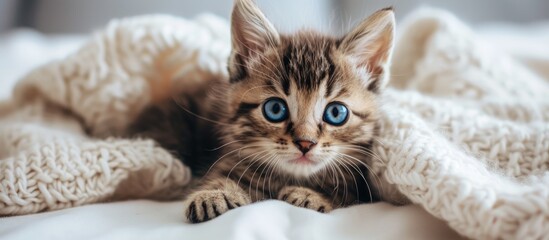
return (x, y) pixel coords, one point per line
(369, 47)
(251, 33)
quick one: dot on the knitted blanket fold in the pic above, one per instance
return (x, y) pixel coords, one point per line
(58, 135)
(465, 129)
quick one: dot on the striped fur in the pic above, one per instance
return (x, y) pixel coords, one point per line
(307, 70)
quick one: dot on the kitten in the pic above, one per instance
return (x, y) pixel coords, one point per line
(296, 122)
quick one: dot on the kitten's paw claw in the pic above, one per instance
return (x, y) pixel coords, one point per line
(205, 205)
(304, 197)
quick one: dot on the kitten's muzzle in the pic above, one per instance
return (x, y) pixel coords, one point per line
(304, 145)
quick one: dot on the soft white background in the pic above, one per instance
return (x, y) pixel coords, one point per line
(82, 16)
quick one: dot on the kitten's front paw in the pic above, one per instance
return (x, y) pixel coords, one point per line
(304, 197)
(204, 205)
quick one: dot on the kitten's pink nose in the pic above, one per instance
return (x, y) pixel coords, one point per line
(304, 145)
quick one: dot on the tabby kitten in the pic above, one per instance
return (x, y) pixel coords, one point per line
(300, 116)
(296, 122)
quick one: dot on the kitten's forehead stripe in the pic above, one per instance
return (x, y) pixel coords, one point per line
(331, 73)
(307, 62)
(286, 64)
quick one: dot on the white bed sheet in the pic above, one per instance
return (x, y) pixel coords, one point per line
(22, 50)
(266, 220)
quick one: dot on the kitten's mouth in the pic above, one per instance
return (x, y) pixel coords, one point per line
(303, 160)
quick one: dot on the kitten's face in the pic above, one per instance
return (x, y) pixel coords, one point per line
(304, 102)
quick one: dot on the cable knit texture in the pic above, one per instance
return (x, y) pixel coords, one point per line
(60, 136)
(465, 129)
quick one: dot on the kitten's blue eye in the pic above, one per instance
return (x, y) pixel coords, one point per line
(336, 114)
(275, 110)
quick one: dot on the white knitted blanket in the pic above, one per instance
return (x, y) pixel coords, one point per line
(58, 144)
(465, 132)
